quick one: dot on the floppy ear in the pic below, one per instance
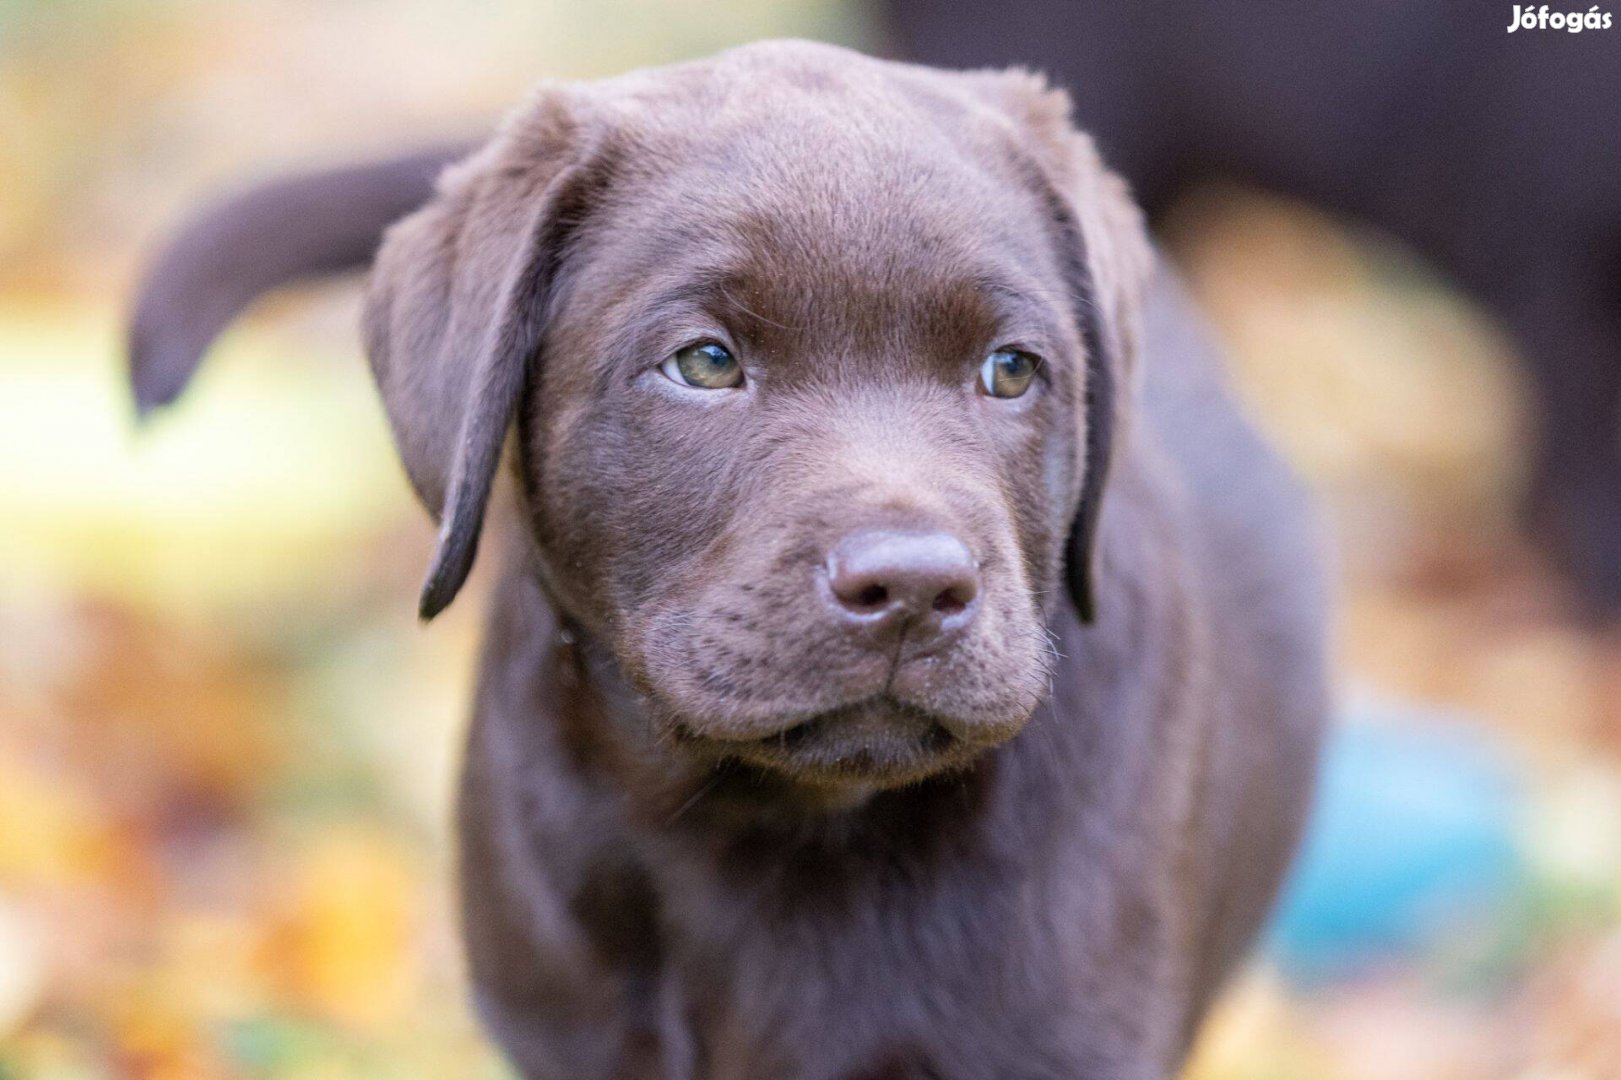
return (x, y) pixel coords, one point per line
(457, 309)
(1107, 262)
(1108, 283)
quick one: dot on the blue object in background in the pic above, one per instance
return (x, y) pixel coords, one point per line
(1413, 835)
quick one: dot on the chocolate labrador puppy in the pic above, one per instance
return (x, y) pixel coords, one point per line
(907, 663)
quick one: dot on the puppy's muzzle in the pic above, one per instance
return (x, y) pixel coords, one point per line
(903, 597)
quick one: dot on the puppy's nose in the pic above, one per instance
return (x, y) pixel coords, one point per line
(922, 582)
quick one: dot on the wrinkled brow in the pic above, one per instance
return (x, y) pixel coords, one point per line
(640, 316)
(1033, 312)
(695, 288)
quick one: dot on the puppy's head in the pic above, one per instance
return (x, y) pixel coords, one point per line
(814, 364)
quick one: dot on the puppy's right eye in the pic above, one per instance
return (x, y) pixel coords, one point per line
(1008, 373)
(707, 367)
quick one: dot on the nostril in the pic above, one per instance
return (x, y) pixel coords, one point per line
(952, 601)
(862, 595)
(872, 596)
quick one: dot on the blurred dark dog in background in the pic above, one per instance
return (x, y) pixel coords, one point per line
(1493, 154)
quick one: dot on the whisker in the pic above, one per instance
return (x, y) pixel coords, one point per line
(735, 302)
(705, 789)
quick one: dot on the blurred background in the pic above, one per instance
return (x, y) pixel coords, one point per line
(227, 747)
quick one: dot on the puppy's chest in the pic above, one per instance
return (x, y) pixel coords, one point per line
(906, 980)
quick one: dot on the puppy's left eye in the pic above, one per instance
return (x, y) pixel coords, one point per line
(1008, 373)
(707, 366)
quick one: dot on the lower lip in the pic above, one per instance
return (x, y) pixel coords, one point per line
(866, 758)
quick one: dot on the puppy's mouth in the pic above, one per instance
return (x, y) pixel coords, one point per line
(879, 742)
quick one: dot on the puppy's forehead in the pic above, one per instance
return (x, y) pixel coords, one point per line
(854, 173)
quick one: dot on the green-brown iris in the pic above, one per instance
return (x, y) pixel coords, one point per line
(706, 366)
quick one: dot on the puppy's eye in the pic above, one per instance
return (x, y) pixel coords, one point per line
(707, 367)
(1008, 373)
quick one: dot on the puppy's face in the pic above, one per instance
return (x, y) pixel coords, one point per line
(804, 443)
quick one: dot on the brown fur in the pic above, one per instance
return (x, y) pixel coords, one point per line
(706, 830)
